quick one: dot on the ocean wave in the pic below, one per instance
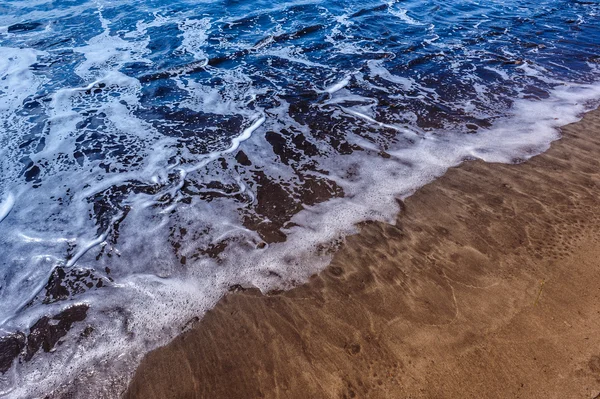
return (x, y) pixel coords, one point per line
(154, 158)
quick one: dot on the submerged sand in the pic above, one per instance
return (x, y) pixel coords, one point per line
(487, 286)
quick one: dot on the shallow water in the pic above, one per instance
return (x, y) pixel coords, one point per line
(155, 155)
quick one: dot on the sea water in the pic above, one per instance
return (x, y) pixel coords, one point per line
(155, 155)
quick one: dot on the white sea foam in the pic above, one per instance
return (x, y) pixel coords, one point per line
(109, 52)
(17, 83)
(402, 14)
(6, 205)
(338, 85)
(194, 36)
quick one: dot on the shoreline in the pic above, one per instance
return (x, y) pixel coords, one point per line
(485, 287)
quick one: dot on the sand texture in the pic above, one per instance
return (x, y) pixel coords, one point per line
(488, 286)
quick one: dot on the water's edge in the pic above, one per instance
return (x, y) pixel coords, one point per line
(156, 156)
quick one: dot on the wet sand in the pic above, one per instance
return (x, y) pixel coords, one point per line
(488, 286)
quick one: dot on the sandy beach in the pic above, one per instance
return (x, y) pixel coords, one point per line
(299, 199)
(486, 286)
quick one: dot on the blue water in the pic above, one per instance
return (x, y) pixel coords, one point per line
(155, 154)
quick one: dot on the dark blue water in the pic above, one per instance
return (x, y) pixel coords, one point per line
(155, 154)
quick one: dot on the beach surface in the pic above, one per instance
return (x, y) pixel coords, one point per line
(487, 286)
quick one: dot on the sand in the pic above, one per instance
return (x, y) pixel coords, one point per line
(487, 286)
